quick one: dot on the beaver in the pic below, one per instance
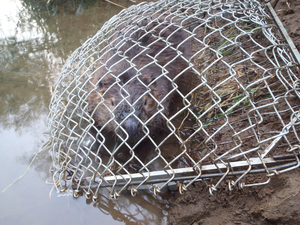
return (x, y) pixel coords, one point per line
(138, 74)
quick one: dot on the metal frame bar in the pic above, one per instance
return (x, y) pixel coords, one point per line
(207, 171)
(284, 33)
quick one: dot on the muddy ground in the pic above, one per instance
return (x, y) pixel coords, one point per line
(275, 203)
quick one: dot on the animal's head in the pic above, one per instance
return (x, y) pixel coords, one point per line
(130, 106)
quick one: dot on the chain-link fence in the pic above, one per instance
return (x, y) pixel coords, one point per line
(173, 92)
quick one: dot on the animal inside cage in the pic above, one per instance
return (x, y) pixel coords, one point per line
(177, 91)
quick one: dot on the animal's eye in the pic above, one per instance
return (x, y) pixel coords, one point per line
(145, 101)
(112, 103)
(124, 77)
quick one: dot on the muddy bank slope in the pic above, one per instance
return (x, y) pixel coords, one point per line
(275, 203)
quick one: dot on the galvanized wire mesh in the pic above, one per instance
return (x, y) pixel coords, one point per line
(176, 91)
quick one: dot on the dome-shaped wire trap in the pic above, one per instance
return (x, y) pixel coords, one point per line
(177, 91)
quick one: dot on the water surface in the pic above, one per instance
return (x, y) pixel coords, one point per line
(34, 44)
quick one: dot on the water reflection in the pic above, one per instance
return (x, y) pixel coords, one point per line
(34, 44)
(27, 61)
(33, 47)
(141, 209)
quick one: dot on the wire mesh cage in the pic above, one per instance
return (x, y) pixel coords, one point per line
(176, 91)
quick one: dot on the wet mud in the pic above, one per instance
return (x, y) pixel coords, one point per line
(274, 203)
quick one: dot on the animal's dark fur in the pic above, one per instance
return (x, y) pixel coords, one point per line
(130, 88)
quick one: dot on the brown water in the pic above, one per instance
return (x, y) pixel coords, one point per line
(34, 44)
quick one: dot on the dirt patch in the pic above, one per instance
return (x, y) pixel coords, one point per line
(275, 203)
(288, 12)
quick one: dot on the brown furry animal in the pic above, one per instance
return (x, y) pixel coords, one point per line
(131, 91)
